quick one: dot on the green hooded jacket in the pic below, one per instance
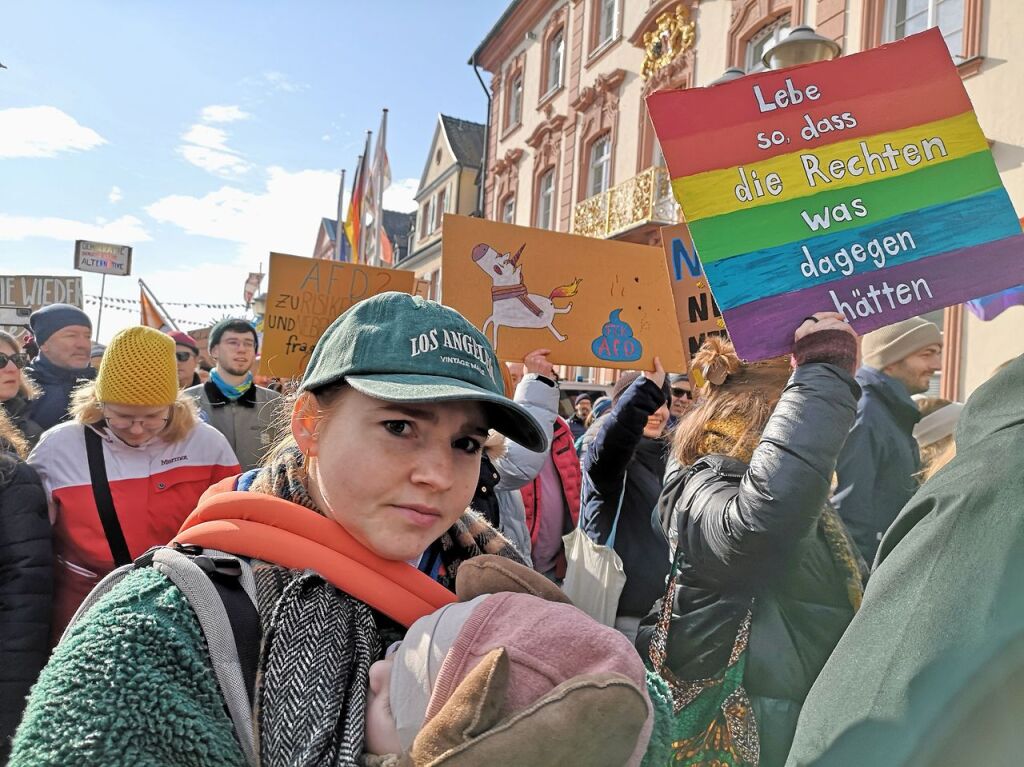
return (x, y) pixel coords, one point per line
(948, 580)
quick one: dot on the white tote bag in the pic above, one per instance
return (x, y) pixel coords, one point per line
(594, 576)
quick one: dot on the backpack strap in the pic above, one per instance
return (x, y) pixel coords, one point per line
(221, 631)
(104, 500)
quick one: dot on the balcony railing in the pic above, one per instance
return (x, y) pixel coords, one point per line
(645, 198)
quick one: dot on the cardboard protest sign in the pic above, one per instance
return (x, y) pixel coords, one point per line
(22, 294)
(592, 302)
(304, 296)
(862, 185)
(696, 310)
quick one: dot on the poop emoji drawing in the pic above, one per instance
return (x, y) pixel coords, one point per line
(617, 342)
(512, 305)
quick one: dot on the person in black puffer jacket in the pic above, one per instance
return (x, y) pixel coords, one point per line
(749, 503)
(627, 460)
(26, 580)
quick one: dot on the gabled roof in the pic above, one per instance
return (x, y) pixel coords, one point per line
(466, 140)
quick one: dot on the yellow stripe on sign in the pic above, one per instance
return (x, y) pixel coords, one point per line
(828, 168)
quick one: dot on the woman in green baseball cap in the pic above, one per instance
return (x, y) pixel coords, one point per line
(365, 498)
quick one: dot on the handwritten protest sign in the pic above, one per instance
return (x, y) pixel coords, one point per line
(592, 302)
(696, 310)
(862, 185)
(304, 296)
(22, 294)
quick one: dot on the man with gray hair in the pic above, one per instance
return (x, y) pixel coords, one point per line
(877, 465)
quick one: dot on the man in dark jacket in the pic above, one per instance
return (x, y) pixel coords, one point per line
(627, 461)
(578, 420)
(26, 587)
(63, 334)
(877, 465)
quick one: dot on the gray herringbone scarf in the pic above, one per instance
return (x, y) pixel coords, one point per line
(314, 671)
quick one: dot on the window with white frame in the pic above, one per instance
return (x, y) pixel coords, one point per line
(556, 58)
(429, 212)
(545, 215)
(515, 102)
(508, 210)
(607, 21)
(908, 17)
(600, 171)
(765, 38)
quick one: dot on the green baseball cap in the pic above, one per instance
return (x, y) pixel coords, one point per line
(401, 348)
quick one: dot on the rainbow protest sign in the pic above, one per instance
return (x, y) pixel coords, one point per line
(862, 185)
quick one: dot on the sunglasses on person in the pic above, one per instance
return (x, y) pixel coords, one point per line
(684, 393)
(20, 360)
(183, 356)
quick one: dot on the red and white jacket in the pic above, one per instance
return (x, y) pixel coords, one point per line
(154, 487)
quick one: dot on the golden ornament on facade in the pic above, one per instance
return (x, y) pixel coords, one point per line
(673, 35)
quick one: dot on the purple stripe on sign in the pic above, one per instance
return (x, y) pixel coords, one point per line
(764, 328)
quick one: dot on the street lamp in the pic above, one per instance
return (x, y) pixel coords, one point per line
(802, 46)
(732, 73)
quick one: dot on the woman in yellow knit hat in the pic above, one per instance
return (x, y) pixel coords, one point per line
(126, 471)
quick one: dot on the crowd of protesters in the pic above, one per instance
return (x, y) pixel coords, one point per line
(812, 539)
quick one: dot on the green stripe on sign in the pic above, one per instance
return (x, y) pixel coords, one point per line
(767, 226)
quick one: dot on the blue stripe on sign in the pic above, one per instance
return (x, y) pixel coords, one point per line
(883, 244)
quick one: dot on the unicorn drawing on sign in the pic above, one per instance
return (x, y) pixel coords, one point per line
(512, 305)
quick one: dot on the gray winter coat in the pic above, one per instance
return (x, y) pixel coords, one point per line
(248, 422)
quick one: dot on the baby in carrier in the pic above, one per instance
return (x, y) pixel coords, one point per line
(507, 679)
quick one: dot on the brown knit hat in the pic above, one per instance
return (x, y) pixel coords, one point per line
(893, 343)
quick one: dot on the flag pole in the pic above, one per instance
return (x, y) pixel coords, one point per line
(160, 306)
(99, 314)
(339, 228)
(379, 189)
(362, 219)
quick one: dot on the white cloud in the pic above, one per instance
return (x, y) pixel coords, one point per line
(283, 217)
(115, 195)
(399, 196)
(280, 82)
(43, 132)
(223, 113)
(326, 137)
(124, 230)
(206, 147)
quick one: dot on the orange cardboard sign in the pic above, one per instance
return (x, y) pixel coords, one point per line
(696, 309)
(305, 295)
(600, 303)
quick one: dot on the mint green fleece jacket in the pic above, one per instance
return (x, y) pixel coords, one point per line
(131, 685)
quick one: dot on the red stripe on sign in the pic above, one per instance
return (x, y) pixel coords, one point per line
(908, 63)
(816, 125)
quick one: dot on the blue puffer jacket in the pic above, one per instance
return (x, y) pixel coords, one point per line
(877, 465)
(57, 383)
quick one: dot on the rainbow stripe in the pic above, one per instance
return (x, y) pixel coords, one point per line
(884, 179)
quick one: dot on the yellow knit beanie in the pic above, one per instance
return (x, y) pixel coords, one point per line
(138, 368)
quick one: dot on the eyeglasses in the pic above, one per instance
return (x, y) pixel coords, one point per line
(234, 343)
(150, 422)
(183, 356)
(684, 393)
(20, 360)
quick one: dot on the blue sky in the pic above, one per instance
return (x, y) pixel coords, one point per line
(207, 134)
